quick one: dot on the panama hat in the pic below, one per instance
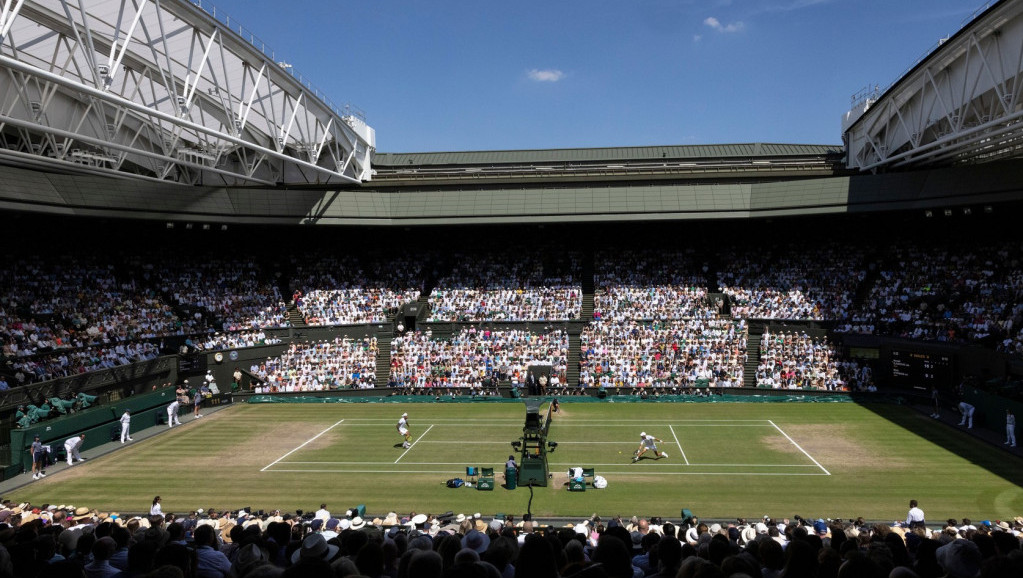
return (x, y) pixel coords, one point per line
(315, 546)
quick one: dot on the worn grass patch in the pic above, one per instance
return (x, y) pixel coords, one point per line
(726, 460)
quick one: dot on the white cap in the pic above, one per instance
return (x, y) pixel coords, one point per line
(642, 435)
(404, 415)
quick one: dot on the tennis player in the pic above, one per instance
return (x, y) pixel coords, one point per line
(647, 443)
(403, 430)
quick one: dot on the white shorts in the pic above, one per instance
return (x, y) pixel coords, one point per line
(403, 431)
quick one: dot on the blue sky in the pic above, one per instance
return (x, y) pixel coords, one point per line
(445, 75)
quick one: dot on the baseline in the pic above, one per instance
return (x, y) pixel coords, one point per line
(799, 447)
(305, 443)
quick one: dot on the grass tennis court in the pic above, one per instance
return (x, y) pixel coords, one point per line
(836, 460)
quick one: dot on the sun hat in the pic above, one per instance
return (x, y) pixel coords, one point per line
(476, 540)
(692, 537)
(315, 546)
(358, 523)
(225, 533)
(749, 533)
(960, 558)
(248, 557)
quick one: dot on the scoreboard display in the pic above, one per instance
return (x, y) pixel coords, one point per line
(922, 368)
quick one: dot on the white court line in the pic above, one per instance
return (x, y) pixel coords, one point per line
(567, 465)
(703, 425)
(799, 447)
(560, 443)
(514, 421)
(302, 446)
(414, 443)
(348, 471)
(561, 425)
(679, 445)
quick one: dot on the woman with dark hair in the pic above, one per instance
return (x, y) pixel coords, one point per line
(155, 509)
(536, 559)
(800, 560)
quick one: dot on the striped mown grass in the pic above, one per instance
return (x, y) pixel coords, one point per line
(725, 460)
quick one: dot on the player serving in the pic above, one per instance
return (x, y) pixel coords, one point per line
(647, 443)
(403, 430)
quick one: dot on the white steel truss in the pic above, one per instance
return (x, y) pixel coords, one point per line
(962, 104)
(163, 90)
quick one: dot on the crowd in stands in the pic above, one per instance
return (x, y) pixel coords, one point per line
(947, 292)
(475, 357)
(794, 360)
(65, 315)
(649, 285)
(235, 340)
(70, 314)
(790, 281)
(236, 293)
(65, 363)
(678, 353)
(332, 290)
(508, 287)
(68, 541)
(342, 363)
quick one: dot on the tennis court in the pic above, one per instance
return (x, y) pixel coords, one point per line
(725, 460)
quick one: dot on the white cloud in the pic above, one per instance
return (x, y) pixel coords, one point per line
(549, 75)
(717, 25)
(697, 37)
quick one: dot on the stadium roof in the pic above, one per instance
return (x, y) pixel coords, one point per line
(623, 154)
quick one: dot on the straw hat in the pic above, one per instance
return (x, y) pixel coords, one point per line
(225, 532)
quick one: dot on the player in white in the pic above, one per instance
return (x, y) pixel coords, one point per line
(403, 430)
(647, 443)
(125, 424)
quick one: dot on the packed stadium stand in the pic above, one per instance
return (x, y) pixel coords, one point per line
(140, 254)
